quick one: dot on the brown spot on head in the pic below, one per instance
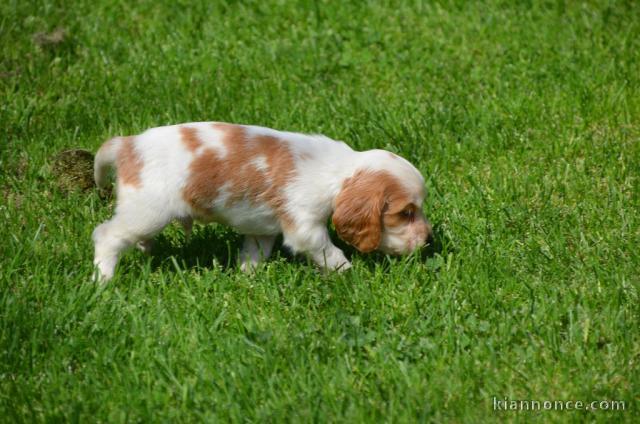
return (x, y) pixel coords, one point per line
(360, 205)
(189, 137)
(254, 168)
(129, 163)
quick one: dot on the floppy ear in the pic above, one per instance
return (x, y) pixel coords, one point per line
(358, 211)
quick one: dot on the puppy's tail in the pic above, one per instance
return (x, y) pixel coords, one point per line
(105, 159)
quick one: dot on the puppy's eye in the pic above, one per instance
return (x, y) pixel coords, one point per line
(408, 213)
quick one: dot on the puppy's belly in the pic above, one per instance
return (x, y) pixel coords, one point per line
(245, 218)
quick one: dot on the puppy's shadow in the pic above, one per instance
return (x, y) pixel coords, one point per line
(209, 245)
(217, 245)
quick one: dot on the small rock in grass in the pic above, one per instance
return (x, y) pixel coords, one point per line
(51, 39)
(73, 170)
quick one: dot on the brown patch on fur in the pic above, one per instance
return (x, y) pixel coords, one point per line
(129, 163)
(190, 138)
(210, 172)
(360, 205)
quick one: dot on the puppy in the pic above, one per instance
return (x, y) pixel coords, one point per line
(262, 183)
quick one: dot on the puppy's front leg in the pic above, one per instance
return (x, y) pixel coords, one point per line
(315, 242)
(254, 249)
(331, 258)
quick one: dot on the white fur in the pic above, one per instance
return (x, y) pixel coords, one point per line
(321, 167)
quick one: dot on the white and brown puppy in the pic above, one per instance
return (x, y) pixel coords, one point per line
(262, 183)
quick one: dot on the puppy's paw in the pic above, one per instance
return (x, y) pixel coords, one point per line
(101, 274)
(339, 268)
(248, 267)
(145, 246)
(343, 267)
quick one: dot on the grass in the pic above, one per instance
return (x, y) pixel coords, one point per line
(524, 118)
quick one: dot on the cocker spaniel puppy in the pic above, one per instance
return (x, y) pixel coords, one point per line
(262, 183)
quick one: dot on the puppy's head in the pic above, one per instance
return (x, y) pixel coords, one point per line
(380, 207)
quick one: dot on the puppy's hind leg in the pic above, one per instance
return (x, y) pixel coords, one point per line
(109, 240)
(119, 233)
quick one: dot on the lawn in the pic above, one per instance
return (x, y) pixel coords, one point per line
(524, 118)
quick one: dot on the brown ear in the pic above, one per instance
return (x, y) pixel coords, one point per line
(358, 211)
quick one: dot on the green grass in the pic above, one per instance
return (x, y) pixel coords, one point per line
(524, 118)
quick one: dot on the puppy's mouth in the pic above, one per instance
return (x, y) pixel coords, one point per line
(402, 251)
(394, 252)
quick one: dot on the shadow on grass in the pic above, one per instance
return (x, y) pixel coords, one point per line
(208, 245)
(216, 244)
